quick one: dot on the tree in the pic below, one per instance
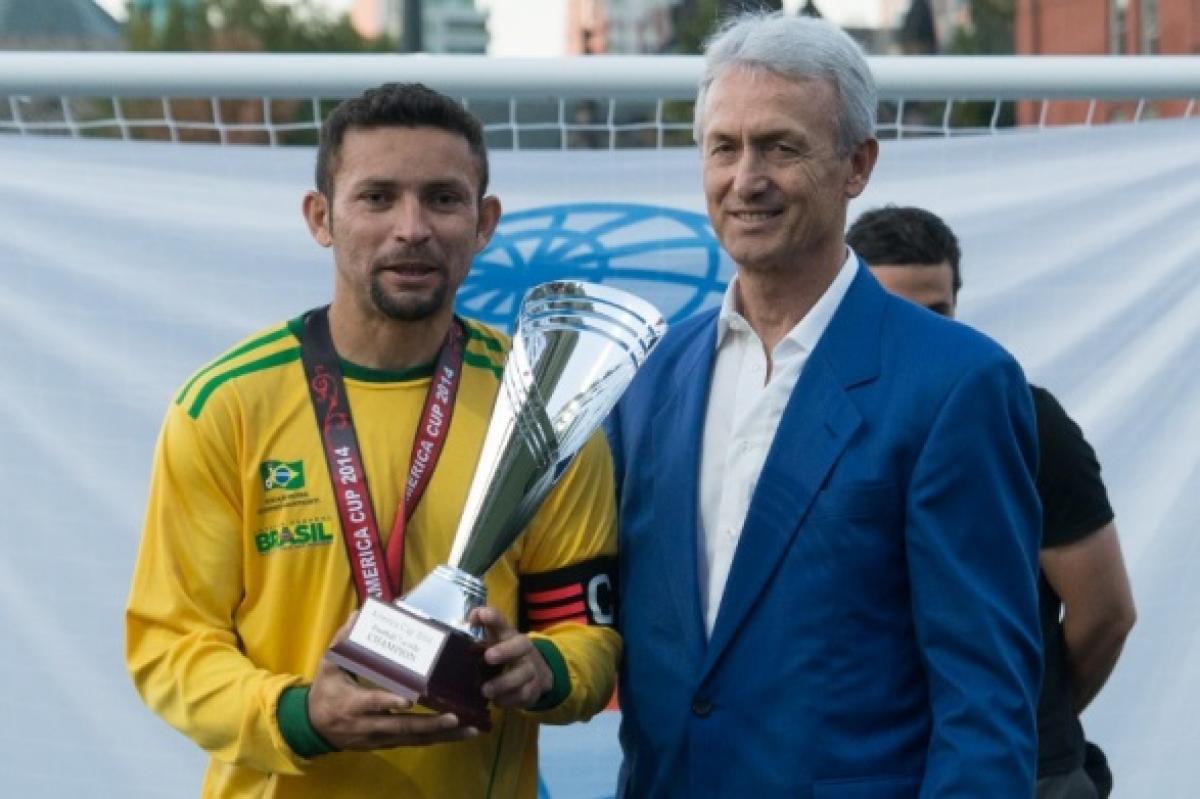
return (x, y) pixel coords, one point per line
(185, 27)
(242, 26)
(245, 25)
(991, 33)
(695, 20)
(991, 30)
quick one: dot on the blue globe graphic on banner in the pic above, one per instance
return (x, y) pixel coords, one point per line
(665, 255)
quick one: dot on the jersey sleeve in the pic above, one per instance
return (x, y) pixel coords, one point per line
(1074, 500)
(181, 647)
(568, 587)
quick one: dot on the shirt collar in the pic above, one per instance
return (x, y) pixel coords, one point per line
(808, 330)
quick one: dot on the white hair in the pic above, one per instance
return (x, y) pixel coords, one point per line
(801, 48)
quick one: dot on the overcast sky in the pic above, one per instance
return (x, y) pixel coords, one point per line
(537, 27)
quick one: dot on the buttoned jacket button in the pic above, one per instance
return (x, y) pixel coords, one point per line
(701, 707)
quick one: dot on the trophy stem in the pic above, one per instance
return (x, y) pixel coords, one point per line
(449, 595)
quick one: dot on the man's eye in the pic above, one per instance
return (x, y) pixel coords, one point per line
(374, 197)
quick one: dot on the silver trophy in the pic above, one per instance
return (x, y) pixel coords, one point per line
(576, 348)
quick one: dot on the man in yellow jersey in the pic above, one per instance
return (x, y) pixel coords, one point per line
(247, 571)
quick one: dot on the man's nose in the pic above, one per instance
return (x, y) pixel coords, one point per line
(750, 179)
(410, 222)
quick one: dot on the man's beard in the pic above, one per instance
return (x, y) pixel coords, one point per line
(407, 308)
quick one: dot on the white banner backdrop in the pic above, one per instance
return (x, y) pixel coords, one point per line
(123, 267)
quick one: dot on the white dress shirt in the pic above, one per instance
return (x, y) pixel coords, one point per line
(744, 408)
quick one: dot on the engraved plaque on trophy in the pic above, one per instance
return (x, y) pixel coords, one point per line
(576, 347)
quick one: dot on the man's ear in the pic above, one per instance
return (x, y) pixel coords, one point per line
(489, 217)
(317, 215)
(862, 162)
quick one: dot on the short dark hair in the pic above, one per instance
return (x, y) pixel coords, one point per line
(404, 105)
(905, 235)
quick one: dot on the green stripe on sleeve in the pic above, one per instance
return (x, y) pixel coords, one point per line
(483, 338)
(253, 344)
(277, 359)
(482, 362)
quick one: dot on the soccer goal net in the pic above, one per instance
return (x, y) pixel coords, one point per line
(579, 103)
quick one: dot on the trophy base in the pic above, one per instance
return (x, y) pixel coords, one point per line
(419, 658)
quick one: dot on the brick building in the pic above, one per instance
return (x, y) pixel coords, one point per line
(1105, 27)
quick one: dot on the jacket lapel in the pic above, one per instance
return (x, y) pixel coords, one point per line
(678, 428)
(815, 428)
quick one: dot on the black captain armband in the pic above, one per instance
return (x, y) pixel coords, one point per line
(584, 593)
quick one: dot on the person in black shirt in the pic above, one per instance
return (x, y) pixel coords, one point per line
(1086, 604)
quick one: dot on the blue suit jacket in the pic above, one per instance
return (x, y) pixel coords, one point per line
(878, 635)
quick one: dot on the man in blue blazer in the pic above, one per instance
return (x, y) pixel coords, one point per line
(829, 526)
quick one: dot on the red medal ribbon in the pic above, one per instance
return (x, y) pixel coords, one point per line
(428, 443)
(377, 574)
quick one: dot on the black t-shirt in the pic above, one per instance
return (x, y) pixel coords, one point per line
(1074, 504)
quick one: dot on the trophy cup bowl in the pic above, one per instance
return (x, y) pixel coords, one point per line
(576, 347)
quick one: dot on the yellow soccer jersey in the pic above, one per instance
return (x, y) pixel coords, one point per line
(242, 577)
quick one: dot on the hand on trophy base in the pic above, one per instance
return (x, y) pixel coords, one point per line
(418, 658)
(350, 715)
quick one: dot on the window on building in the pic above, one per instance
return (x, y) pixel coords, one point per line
(1149, 26)
(1118, 14)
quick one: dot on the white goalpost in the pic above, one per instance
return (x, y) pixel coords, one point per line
(538, 103)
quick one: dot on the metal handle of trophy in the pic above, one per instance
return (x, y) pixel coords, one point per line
(621, 316)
